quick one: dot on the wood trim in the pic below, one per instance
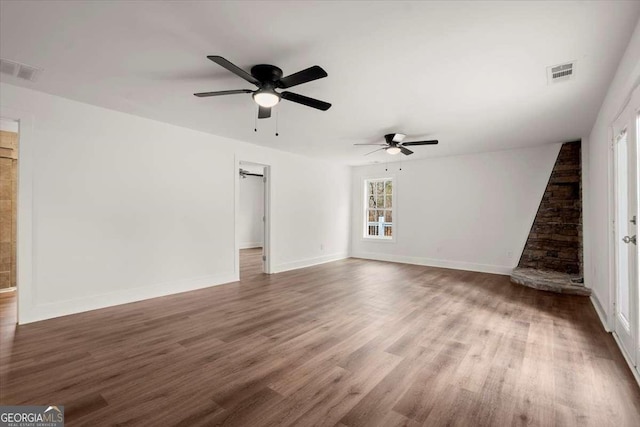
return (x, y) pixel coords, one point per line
(9, 208)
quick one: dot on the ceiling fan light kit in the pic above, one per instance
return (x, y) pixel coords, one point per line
(266, 98)
(393, 150)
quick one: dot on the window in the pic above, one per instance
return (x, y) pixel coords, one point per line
(378, 208)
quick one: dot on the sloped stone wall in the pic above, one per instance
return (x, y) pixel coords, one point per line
(555, 239)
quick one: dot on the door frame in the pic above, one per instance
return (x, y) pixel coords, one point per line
(267, 265)
(626, 330)
(25, 268)
(632, 359)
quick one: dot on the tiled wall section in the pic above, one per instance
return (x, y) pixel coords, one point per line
(555, 239)
(8, 192)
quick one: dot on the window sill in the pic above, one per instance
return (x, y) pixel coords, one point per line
(378, 240)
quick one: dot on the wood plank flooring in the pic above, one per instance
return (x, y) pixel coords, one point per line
(349, 343)
(250, 263)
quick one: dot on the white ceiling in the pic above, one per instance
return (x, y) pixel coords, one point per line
(472, 75)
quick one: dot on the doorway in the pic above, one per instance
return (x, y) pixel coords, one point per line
(625, 228)
(252, 220)
(9, 130)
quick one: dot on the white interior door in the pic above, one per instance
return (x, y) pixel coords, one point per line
(625, 156)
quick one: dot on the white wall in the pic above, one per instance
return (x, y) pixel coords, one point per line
(598, 271)
(250, 224)
(8, 125)
(116, 208)
(471, 212)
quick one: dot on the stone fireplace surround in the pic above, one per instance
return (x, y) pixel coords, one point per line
(552, 257)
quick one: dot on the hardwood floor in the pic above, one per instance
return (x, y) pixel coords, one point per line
(250, 263)
(349, 343)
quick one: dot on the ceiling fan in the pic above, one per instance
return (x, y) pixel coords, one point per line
(268, 78)
(393, 144)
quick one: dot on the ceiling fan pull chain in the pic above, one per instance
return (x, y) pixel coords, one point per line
(255, 122)
(277, 115)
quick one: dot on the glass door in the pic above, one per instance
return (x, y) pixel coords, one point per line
(625, 159)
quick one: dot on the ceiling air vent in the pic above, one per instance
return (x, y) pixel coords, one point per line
(561, 73)
(21, 71)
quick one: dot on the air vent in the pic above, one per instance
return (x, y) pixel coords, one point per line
(21, 71)
(7, 67)
(561, 72)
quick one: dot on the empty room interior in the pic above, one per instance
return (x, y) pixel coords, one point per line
(318, 213)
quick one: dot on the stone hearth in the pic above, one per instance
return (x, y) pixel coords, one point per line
(547, 280)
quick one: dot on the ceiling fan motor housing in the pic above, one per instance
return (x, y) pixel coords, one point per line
(266, 73)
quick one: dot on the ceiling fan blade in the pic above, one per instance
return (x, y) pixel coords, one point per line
(234, 69)
(373, 143)
(394, 137)
(398, 137)
(375, 151)
(222, 92)
(432, 142)
(405, 151)
(305, 100)
(264, 112)
(304, 76)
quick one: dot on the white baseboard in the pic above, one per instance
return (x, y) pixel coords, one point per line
(634, 370)
(294, 265)
(250, 245)
(430, 262)
(79, 305)
(601, 314)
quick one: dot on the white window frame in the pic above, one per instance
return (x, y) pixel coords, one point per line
(365, 204)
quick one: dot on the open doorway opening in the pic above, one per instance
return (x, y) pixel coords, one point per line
(251, 219)
(9, 130)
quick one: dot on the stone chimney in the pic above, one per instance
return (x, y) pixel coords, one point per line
(552, 257)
